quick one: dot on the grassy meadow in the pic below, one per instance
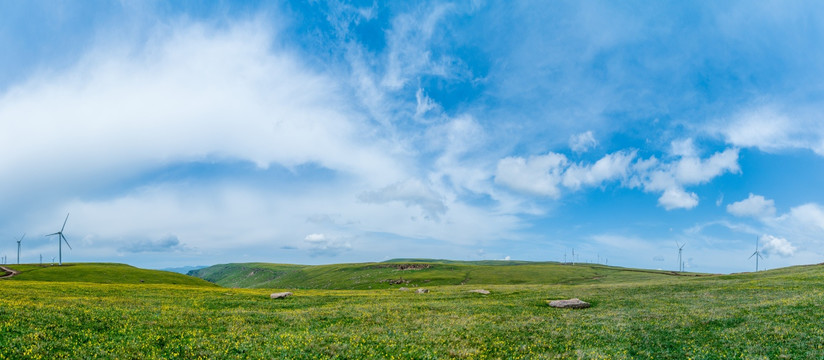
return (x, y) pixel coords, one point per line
(397, 273)
(769, 315)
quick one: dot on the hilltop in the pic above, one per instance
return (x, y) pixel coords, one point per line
(420, 272)
(101, 273)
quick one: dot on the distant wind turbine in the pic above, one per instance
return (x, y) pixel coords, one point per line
(757, 255)
(60, 239)
(18, 248)
(680, 248)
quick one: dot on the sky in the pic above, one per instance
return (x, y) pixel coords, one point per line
(197, 133)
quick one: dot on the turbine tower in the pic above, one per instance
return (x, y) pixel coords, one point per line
(680, 248)
(757, 254)
(18, 248)
(60, 239)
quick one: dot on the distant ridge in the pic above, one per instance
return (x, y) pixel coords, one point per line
(184, 269)
(411, 272)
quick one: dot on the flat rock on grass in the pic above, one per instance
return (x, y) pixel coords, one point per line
(421, 291)
(403, 289)
(569, 304)
(480, 291)
(280, 295)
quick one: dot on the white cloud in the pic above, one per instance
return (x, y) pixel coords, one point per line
(411, 192)
(772, 128)
(683, 148)
(671, 178)
(777, 246)
(610, 167)
(677, 198)
(582, 142)
(191, 94)
(693, 170)
(544, 174)
(539, 175)
(320, 244)
(409, 53)
(807, 215)
(755, 206)
(168, 243)
(424, 104)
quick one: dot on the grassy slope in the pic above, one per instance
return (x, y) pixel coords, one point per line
(102, 273)
(774, 314)
(439, 272)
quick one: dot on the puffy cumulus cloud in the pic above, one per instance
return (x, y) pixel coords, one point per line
(187, 94)
(582, 142)
(677, 198)
(545, 175)
(411, 192)
(610, 167)
(539, 175)
(771, 127)
(772, 245)
(808, 215)
(754, 206)
(321, 245)
(687, 169)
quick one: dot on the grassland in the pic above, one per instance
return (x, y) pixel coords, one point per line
(101, 273)
(768, 315)
(418, 272)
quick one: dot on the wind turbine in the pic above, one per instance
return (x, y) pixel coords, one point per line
(18, 248)
(60, 237)
(757, 254)
(680, 248)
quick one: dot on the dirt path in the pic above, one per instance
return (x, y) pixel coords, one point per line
(9, 272)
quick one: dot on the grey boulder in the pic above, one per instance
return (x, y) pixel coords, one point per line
(569, 304)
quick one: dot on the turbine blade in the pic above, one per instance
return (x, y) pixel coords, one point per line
(57, 233)
(21, 238)
(64, 222)
(67, 241)
(753, 254)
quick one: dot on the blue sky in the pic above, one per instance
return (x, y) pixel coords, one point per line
(193, 133)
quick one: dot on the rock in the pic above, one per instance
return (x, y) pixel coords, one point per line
(569, 304)
(280, 295)
(421, 291)
(403, 289)
(480, 291)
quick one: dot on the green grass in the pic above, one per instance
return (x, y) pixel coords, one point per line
(768, 315)
(102, 273)
(433, 273)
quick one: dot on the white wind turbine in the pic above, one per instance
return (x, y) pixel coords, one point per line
(680, 248)
(18, 248)
(60, 239)
(757, 255)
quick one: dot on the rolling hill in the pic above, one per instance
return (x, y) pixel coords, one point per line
(101, 273)
(419, 272)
